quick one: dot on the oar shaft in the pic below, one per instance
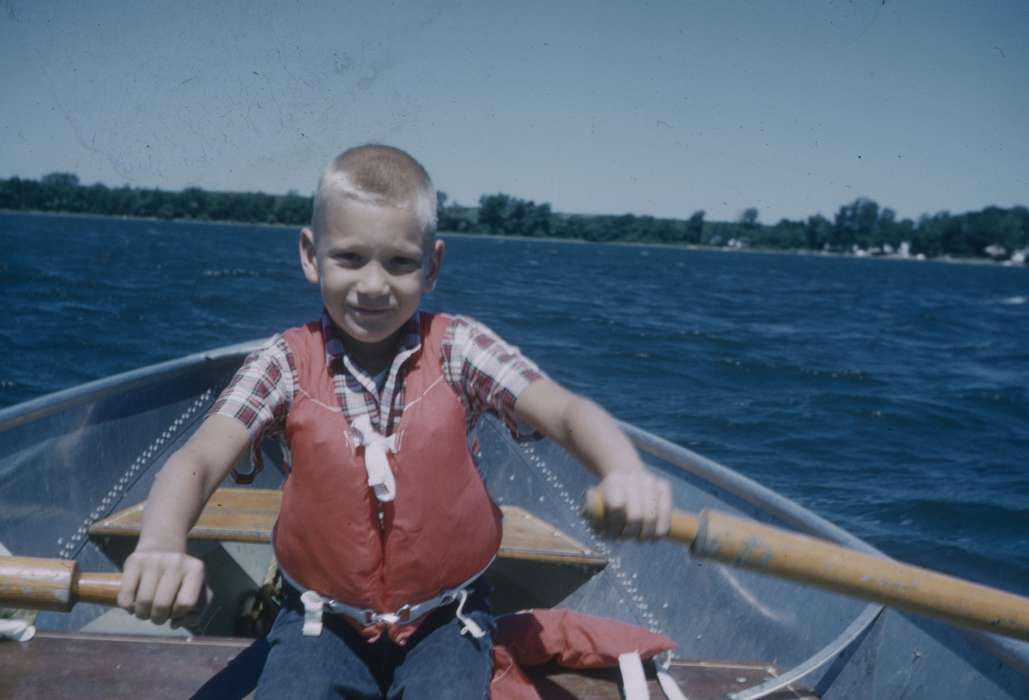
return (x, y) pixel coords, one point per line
(40, 584)
(783, 554)
(768, 550)
(53, 584)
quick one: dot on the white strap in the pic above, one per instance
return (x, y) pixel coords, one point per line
(380, 476)
(634, 681)
(18, 630)
(671, 689)
(470, 625)
(668, 685)
(314, 606)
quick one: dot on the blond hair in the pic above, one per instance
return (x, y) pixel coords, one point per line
(382, 176)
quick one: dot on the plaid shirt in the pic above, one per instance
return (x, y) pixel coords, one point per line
(486, 373)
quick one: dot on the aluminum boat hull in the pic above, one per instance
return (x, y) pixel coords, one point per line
(76, 456)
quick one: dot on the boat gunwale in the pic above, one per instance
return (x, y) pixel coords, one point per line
(48, 404)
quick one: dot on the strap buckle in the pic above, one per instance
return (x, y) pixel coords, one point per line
(401, 615)
(404, 613)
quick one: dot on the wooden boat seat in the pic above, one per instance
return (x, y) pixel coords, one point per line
(248, 515)
(59, 665)
(537, 566)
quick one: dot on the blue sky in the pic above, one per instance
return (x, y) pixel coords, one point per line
(655, 108)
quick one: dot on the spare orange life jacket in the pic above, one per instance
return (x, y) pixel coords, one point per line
(442, 526)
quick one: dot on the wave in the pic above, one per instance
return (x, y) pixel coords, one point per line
(233, 272)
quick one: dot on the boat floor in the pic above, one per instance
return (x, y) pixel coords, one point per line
(81, 666)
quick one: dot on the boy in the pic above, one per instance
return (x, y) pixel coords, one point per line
(385, 525)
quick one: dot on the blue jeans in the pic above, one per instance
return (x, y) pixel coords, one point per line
(438, 662)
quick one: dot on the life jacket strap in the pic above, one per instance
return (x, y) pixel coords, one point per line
(317, 605)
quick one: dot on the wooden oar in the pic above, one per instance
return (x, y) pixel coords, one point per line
(744, 543)
(52, 584)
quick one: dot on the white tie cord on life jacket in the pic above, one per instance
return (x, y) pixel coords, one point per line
(380, 475)
(469, 625)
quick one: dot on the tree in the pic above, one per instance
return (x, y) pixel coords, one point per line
(856, 223)
(67, 181)
(695, 227)
(748, 217)
(817, 232)
(493, 211)
(61, 190)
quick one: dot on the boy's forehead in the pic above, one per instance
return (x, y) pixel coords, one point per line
(345, 216)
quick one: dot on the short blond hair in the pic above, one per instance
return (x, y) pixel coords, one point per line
(381, 176)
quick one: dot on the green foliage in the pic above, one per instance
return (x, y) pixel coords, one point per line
(504, 215)
(63, 192)
(862, 223)
(748, 217)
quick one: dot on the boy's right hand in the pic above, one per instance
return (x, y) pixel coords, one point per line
(163, 585)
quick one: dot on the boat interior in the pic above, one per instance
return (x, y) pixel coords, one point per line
(77, 466)
(538, 566)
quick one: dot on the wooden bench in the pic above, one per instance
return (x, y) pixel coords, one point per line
(537, 565)
(81, 666)
(248, 515)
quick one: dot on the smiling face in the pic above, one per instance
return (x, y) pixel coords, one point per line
(372, 266)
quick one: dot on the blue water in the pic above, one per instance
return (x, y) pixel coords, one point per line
(890, 397)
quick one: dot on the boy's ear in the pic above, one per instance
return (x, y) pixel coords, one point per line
(434, 265)
(308, 255)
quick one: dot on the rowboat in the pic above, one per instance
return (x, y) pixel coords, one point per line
(77, 465)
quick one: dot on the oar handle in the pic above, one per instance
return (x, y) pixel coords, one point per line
(98, 588)
(53, 584)
(782, 554)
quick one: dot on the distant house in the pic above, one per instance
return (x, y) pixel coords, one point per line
(996, 251)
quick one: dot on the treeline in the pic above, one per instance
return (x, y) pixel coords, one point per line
(862, 226)
(859, 227)
(504, 215)
(63, 192)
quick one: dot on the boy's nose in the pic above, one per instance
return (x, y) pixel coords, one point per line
(373, 282)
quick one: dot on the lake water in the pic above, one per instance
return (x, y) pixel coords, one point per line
(890, 397)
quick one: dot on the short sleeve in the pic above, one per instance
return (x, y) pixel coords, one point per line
(487, 373)
(259, 395)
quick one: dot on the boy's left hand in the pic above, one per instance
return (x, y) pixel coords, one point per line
(636, 503)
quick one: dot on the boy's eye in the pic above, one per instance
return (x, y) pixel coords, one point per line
(349, 259)
(405, 263)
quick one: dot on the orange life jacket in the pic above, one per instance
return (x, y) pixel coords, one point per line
(439, 531)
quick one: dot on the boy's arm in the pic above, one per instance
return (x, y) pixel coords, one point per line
(637, 503)
(159, 580)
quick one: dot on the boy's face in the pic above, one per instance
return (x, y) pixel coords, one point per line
(372, 268)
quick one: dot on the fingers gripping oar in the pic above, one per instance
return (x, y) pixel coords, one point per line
(744, 543)
(53, 584)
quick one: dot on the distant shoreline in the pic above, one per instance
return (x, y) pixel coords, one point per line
(542, 239)
(726, 249)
